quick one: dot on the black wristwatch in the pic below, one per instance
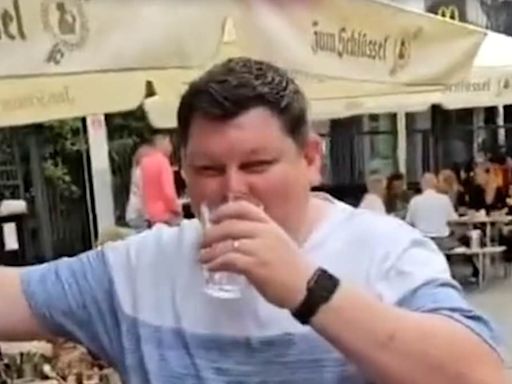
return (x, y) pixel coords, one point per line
(320, 288)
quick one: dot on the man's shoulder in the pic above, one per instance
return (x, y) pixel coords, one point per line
(156, 246)
(152, 262)
(392, 257)
(418, 198)
(373, 229)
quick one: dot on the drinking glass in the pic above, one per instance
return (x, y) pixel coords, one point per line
(223, 285)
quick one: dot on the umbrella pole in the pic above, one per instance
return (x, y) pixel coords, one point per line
(401, 137)
(87, 179)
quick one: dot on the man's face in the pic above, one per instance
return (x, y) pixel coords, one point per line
(251, 155)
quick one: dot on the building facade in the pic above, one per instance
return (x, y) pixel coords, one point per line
(436, 138)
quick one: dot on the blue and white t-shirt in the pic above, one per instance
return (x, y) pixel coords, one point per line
(140, 305)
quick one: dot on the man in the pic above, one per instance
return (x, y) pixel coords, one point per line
(431, 211)
(160, 200)
(373, 200)
(383, 309)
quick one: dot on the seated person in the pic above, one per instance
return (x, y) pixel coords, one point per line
(485, 193)
(397, 196)
(430, 213)
(373, 200)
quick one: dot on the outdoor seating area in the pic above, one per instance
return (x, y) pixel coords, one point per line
(484, 248)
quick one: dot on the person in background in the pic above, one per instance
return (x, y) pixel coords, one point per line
(373, 200)
(160, 200)
(135, 215)
(486, 194)
(397, 197)
(430, 213)
(448, 184)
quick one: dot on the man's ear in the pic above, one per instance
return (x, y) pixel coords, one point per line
(313, 155)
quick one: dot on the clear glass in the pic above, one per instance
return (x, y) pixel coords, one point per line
(223, 285)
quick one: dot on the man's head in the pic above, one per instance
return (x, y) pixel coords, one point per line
(376, 184)
(243, 129)
(428, 181)
(162, 142)
(396, 184)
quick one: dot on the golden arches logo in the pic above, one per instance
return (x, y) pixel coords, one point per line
(450, 12)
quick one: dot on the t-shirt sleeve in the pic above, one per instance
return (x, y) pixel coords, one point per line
(419, 279)
(74, 298)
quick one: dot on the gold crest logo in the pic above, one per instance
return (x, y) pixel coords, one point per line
(403, 51)
(504, 86)
(66, 22)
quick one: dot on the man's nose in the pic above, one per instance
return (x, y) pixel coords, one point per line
(235, 182)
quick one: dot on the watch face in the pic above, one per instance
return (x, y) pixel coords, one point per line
(325, 284)
(321, 287)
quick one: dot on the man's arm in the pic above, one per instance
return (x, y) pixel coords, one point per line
(71, 298)
(452, 214)
(412, 327)
(421, 331)
(17, 323)
(395, 346)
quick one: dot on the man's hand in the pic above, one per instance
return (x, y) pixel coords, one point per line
(244, 240)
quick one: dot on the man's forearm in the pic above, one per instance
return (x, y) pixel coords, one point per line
(16, 320)
(395, 346)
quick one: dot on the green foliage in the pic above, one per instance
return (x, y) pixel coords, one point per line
(63, 143)
(125, 132)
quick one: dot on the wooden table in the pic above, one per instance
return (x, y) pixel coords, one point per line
(488, 221)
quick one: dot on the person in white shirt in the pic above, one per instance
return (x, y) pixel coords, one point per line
(431, 211)
(373, 200)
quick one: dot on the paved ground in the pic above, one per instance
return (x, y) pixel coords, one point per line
(496, 301)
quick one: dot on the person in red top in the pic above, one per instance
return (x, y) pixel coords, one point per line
(160, 200)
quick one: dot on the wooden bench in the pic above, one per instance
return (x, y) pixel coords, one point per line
(481, 255)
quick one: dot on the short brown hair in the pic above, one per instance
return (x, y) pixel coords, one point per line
(239, 84)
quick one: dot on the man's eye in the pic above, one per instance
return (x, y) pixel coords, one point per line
(209, 170)
(258, 166)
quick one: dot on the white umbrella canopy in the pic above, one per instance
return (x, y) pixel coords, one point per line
(489, 83)
(345, 48)
(99, 54)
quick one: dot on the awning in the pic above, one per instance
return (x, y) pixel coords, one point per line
(68, 58)
(489, 83)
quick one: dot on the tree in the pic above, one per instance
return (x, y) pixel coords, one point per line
(63, 143)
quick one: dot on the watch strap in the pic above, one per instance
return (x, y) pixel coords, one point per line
(320, 288)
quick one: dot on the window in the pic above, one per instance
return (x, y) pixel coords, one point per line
(379, 137)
